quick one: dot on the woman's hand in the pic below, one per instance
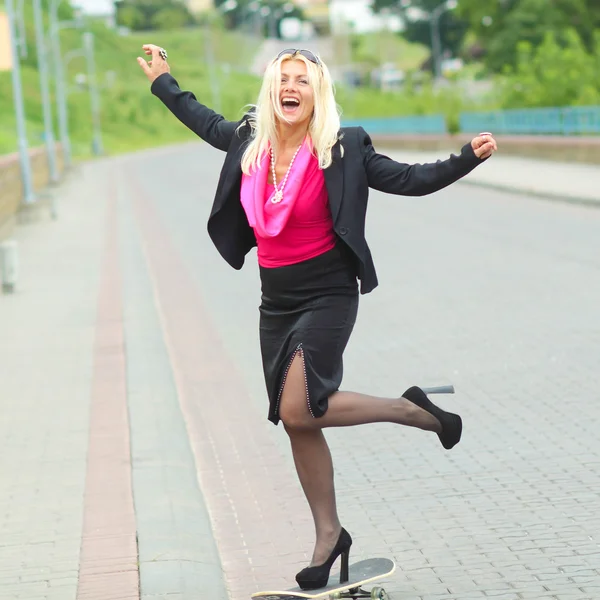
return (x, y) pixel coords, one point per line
(484, 145)
(158, 65)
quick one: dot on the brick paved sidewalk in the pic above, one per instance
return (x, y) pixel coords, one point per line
(67, 528)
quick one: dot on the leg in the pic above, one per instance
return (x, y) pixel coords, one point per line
(351, 408)
(315, 471)
(313, 465)
(311, 452)
(348, 408)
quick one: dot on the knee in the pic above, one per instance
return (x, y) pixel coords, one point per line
(293, 406)
(294, 414)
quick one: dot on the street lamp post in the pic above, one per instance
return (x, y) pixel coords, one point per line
(26, 177)
(20, 28)
(88, 44)
(61, 96)
(213, 76)
(272, 20)
(209, 52)
(89, 82)
(436, 44)
(45, 90)
(253, 18)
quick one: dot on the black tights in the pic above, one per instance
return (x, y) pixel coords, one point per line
(311, 452)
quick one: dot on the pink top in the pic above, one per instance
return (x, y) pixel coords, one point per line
(300, 226)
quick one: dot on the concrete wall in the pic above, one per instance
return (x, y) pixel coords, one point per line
(11, 187)
(545, 147)
(563, 149)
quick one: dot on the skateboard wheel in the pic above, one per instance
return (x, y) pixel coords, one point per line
(336, 596)
(378, 593)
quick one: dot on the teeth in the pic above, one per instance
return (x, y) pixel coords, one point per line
(294, 100)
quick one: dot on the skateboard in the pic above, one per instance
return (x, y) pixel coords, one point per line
(359, 573)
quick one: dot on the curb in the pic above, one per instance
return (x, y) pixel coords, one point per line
(177, 549)
(522, 189)
(563, 198)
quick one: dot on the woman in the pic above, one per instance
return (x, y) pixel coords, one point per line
(295, 185)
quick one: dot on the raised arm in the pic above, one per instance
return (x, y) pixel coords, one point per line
(212, 127)
(392, 177)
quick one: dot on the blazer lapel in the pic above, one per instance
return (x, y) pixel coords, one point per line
(334, 182)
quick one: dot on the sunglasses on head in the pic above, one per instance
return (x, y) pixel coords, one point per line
(306, 53)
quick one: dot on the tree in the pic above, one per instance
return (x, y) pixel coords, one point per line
(500, 26)
(452, 26)
(145, 14)
(553, 74)
(131, 17)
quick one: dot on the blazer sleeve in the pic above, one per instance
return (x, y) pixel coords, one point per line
(387, 175)
(212, 127)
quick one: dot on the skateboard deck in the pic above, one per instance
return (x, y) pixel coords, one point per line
(359, 573)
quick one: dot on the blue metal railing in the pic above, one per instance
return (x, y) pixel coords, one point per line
(572, 120)
(581, 119)
(432, 124)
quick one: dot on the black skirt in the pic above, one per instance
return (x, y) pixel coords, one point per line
(308, 307)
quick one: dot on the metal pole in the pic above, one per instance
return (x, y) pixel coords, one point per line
(9, 265)
(45, 89)
(212, 74)
(88, 44)
(20, 27)
(61, 100)
(272, 21)
(436, 45)
(28, 193)
(258, 24)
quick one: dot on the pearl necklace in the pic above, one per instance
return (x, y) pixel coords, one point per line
(278, 197)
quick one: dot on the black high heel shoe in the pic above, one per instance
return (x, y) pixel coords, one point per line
(451, 423)
(312, 578)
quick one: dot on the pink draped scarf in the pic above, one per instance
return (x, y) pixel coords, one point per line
(265, 217)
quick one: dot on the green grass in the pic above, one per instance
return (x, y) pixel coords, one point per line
(131, 117)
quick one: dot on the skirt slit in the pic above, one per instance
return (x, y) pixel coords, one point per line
(297, 352)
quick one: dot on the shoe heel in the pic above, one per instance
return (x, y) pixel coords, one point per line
(440, 389)
(344, 566)
(312, 578)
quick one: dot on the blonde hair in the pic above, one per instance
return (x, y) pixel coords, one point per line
(323, 129)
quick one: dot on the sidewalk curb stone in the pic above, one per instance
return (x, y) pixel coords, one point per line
(178, 556)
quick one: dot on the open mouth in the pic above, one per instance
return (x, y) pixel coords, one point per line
(290, 105)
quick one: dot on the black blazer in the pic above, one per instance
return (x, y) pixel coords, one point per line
(347, 180)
